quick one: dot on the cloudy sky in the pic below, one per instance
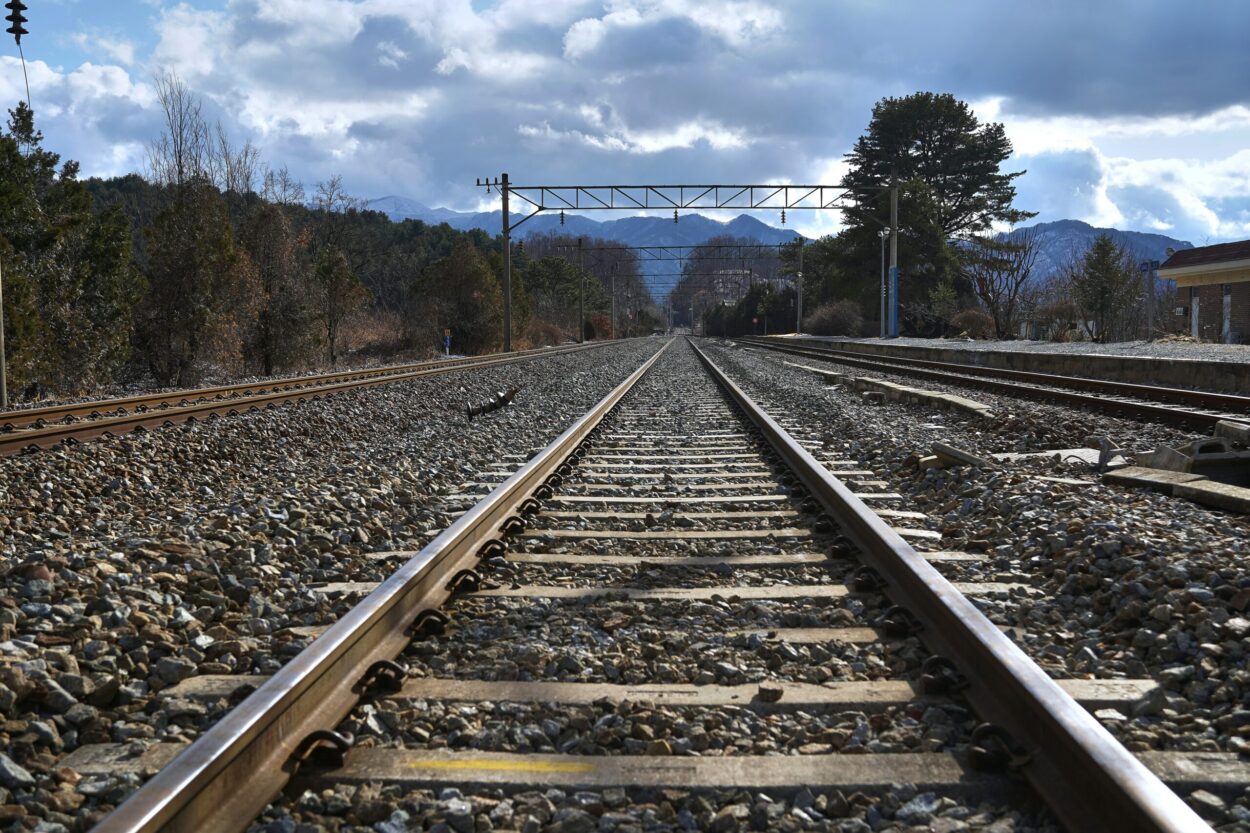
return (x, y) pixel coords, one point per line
(1131, 113)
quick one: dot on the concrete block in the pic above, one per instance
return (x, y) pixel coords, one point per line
(958, 457)
(931, 462)
(874, 397)
(1160, 480)
(1220, 495)
(1166, 459)
(1236, 431)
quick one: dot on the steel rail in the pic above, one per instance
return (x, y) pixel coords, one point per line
(1088, 778)
(15, 442)
(101, 407)
(223, 780)
(1037, 389)
(1206, 399)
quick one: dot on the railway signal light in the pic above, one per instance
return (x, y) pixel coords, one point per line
(15, 17)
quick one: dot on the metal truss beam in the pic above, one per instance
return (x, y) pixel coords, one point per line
(654, 254)
(683, 197)
(536, 199)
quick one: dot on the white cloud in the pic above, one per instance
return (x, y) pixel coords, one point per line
(737, 22)
(119, 49)
(390, 55)
(1032, 135)
(191, 40)
(609, 133)
(1132, 159)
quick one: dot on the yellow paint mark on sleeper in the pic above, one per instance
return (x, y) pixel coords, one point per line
(502, 766)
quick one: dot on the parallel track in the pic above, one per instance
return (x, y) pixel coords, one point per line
(576, 491)
(1175, 406)
(46, 427)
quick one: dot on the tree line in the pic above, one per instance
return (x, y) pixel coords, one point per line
(212, 264)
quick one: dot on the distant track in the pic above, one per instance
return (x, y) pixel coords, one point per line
(46, 427)
(1175, 406)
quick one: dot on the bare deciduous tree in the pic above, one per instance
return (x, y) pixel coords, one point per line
(234, 171)
(1000, 273)
(182, 152)
(281, 188)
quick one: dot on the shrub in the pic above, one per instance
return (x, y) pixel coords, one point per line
(542, 333)
(974, 323)
(840, 318)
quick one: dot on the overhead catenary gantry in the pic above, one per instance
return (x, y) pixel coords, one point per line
(538, 199)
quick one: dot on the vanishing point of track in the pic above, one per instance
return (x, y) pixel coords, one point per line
(644, 458)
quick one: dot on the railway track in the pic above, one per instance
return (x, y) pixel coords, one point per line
(34, 428)
(1174, 406)
(675, 551)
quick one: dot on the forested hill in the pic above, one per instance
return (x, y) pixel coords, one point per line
(384, 254)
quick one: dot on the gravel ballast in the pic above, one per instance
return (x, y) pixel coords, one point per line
(130, 564)
(1129, 583)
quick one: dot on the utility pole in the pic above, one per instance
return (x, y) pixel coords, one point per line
(507, 268)
(798, 318)
(884, 234)
(893, 257)
(614, 299)
(1149, 273)
(581, 293)
(17, 18)
(4, 370)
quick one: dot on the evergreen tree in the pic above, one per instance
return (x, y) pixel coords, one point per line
(937, 145)
(946, 164)
(203, 297)
(462, 293)
(283, 326)
(338, 294)
(70, 285)
(1105, 286)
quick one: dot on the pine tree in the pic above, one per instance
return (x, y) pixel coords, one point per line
(284, 320)
(464, 292)
(1105, 286)
(338, 294)
(70, 286)
(203, 296)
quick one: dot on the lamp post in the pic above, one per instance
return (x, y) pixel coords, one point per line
(885, 235)
(581, 293)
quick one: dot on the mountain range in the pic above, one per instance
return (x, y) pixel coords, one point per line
(1060, 240)
(690, 230)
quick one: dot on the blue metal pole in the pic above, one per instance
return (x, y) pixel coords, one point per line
(893, 258)
(893, 302)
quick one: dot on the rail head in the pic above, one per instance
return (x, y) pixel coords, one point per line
(1085, 775)
(223, 780)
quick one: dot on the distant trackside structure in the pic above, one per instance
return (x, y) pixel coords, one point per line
(1213, 291)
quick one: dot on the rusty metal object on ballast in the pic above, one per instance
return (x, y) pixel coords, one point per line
(502, 399)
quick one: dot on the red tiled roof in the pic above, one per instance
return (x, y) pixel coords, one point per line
(1204, 255)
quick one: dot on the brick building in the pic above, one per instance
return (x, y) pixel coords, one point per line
(1212, 291)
